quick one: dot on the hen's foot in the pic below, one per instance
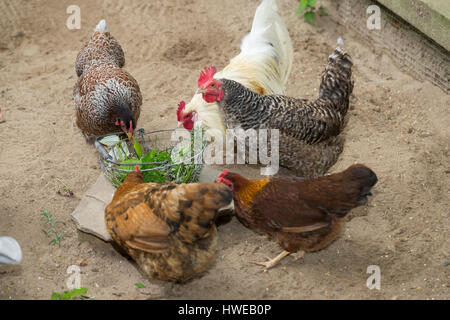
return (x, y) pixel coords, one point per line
(298, 255)
(272, 262)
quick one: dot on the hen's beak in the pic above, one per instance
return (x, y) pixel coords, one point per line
(130, 131)
(180, 124)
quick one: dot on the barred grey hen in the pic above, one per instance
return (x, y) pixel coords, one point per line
(310, 131)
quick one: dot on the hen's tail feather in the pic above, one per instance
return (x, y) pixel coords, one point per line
(337, 194)
(357, 181)
(101, 26)
(366, 179)
(336, 83)
(200, 205)
(269, 34)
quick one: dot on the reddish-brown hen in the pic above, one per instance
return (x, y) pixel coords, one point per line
(107, 98)
(301, 214)
(169, 229)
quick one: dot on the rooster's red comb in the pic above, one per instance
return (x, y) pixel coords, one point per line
(206, 75)
(180, 109)
(223, 174)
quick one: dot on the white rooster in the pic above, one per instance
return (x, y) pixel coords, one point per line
(263, 66)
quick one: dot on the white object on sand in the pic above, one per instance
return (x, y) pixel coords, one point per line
(10, 252)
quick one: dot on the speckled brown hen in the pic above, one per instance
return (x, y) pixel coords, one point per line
(107, 98)
(301, 214)
(169, 230)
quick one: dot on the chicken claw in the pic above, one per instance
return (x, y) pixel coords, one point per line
(298, 255)
(272, 262)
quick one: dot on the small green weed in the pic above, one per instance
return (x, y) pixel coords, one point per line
(50, 220)
(63, 189)
(308, 8)
(68, 295)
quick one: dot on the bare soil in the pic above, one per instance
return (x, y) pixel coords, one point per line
(398, 126)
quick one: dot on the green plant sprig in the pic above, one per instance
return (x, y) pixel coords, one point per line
(51, 221)
(63, 189)
(68, 295)
(308, 8)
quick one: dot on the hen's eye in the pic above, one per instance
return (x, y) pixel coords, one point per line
(213, 85)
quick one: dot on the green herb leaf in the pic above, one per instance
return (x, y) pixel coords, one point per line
(137, 148)
(132, 167)
(309, 17)
(149, 157)
(311, 3)
(303, 5)
(139, 285)
(67, 295)
(56, 296)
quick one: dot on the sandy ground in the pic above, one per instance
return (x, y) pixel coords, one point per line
(398, 126)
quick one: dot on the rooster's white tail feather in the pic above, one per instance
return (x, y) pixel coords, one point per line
(267, 49)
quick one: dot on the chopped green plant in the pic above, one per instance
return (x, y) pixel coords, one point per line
(139, 285)
(68, 295)
(50, 220)
(159, 176)
(173, 164)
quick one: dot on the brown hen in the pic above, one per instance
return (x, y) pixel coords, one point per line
(107, 98)
(169, 230)
(301, 214)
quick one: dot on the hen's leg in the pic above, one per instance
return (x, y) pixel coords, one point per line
(273, 262)
(298, 255)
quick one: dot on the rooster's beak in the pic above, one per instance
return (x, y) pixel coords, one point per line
(129, 135)
(180, 124)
